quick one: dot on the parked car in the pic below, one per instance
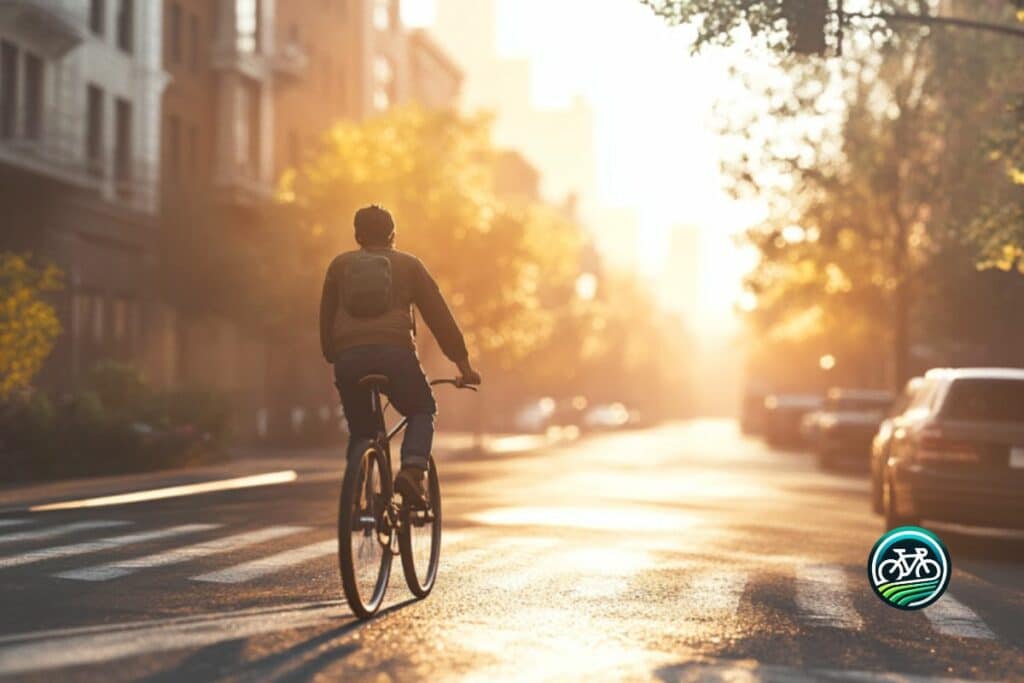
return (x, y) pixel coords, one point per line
(782, 417)
(883, 438)
(844, 427)
(957, 453)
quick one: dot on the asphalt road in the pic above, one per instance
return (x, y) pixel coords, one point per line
(683, 553)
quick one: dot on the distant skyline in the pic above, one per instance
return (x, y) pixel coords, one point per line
(651, 102)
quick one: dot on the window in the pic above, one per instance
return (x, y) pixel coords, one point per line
(383, 77)
(33, 96)
(173, 147)
(8, 89)
(119, 320)
(174, 39)
(193, 42)
(193, 149)
(247, 122)
(294, 148)
(383, 14)
(126, 25)
(247, 25)
(96, 322)
(985, 400)
(97, 16)
(94, 130)
(123, 147)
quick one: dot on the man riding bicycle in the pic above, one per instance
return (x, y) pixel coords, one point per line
(367, 327)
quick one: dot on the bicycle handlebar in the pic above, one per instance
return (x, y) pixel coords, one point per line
(457, 383)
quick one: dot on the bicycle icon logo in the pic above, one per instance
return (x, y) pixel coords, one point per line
(909, 568)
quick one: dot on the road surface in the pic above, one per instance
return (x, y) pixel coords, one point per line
(680, 553)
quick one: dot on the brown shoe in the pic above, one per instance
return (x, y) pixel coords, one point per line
(410, 482)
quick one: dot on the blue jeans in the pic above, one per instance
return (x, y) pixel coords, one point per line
(407, 389)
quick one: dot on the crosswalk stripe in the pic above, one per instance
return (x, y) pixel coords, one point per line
(12, 522)
(951, 617)
(262, 566)
(113, 570)
(822, 598)
(59, 530)
(55, 552)
(716, 592)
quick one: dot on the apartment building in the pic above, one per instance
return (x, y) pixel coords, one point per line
(80, 85)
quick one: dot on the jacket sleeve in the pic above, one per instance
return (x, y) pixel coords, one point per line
(432, 306)
(328, 309)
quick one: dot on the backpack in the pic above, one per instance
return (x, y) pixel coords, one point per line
(366, 285)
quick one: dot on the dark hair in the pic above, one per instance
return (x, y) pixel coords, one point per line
(374, 226)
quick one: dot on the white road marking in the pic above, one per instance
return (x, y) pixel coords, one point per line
(715, 593)
(55, 552)
(951, 617)
(59, 530)
(12, 522)
(113, 570)
(822, 598)
(49, 650)
(270, 564)
(282, 477)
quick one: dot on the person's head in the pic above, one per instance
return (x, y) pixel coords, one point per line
(374, 227)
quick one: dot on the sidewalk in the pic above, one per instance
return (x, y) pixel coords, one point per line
(251, 460)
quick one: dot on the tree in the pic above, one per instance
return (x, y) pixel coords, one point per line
(870, 199)
(28, 324)
(496, 259)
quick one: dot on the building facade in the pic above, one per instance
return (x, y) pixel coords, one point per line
(80, 86)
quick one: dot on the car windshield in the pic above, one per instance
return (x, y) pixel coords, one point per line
(990, 400)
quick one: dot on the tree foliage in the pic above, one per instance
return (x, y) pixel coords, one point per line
(28, 324)
(504, 265)
(874, 170)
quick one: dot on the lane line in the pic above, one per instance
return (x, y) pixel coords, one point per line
(951, 617)
(247, 571)
(59, 530)
(268, 479)
(12, 522)
(119, 568)
(50, 650)
(108, 543)
(822, 598)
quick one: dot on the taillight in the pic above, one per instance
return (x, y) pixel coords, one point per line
(932, 446)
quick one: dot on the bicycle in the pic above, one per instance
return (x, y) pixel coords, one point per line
(372, 519)
(902, 566)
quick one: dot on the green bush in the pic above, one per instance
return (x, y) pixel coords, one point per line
(116, 423)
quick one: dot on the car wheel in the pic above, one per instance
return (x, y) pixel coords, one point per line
(893, 517)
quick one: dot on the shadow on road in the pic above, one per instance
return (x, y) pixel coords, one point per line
(300, 661)
(1001, 548)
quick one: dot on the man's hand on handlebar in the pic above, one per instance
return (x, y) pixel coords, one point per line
(467, 375)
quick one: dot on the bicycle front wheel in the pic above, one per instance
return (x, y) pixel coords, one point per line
(419, 538)
(364, 534)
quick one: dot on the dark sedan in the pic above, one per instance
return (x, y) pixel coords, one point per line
(957, 454)
(846, 425)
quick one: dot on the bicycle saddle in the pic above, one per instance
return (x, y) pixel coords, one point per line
(374, 380)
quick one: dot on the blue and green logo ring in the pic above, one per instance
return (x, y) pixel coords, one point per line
(909, 568)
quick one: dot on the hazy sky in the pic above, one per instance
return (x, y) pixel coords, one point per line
(652, 103)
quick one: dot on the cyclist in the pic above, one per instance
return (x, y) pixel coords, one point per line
(367, 327)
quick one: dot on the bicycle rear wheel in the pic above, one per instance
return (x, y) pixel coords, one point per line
(364, 536)
(419, 538)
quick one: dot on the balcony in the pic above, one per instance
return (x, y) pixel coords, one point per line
(56, 151)
(47, 24)
(238, 186)
(290, 61)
